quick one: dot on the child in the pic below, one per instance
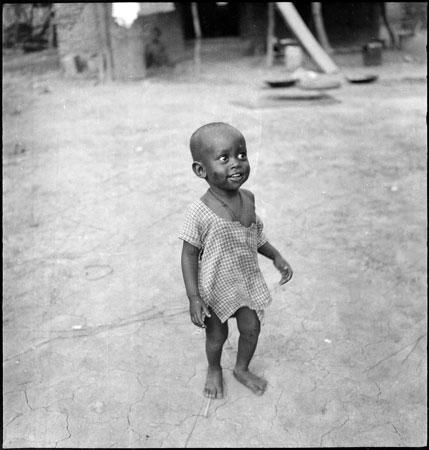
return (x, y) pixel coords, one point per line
(155, 53)
(221, 238)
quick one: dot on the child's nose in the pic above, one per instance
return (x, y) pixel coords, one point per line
(235, 162)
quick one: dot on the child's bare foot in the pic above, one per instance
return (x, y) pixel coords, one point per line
(214, 383)
(256, 384)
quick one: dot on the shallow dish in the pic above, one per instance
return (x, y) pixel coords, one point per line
(281, 83)
(361, 78)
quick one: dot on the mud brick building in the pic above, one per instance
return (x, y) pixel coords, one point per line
(90, 39)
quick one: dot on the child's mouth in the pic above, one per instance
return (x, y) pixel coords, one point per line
(236, 177)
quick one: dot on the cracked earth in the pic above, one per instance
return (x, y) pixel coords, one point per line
(98, 348)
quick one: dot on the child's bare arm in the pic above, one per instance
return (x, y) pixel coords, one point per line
(197, 307)
(272, 253)
(280, 263)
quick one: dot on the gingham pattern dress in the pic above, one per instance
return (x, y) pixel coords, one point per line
(229, 276)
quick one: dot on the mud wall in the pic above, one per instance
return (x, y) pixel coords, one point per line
(81, 30)
(77, 25)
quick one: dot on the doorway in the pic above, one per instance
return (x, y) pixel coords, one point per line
(217, 19)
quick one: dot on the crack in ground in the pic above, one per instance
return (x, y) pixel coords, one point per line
(67, 428)
(131, 407)
(48, 411)
(398, 351)
(419, 364)
(141, 437)
(414, 347)
(226, 400)
(276, 410)
(92, 331)
(379, 391)
(16, 417)
(192, 376)
(332, 430)
(13, 392)
(193, 426)
(26, 400)
(175, 426)
(364, 347)
(397, 432)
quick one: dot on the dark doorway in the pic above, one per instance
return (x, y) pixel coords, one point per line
(217, 19)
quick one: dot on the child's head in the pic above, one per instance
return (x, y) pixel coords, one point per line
(220, 155)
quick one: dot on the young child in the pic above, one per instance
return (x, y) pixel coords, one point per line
(222, 236)
(155, 52)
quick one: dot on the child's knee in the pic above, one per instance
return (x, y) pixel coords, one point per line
(216, 338)
(250, 331)
(216, 332)
(249, 325)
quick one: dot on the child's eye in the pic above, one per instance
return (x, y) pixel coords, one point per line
(242, 156)
(223, 158)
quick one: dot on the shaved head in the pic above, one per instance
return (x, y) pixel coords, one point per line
(201, 138)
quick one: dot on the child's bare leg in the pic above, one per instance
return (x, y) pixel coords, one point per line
(216, 334)
(249, 327)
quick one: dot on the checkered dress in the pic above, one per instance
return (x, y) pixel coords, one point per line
(229, 276)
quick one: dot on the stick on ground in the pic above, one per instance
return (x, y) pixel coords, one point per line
(207, 407)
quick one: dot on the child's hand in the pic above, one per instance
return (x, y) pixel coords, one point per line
(284, 268)
(198, 311)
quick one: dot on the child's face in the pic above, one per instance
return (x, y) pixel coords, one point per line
(225, 160)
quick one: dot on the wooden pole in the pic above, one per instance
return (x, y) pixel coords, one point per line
(387, 25)
(316, 9)
(304, 36)
(109, 53)
(197, 29)
(103, 34)
(270, 35)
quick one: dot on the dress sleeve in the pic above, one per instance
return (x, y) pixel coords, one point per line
(191, 230)
(262, 239)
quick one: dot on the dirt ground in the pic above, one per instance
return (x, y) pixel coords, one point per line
(98, 347)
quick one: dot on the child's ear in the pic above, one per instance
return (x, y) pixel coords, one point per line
(198, 169)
